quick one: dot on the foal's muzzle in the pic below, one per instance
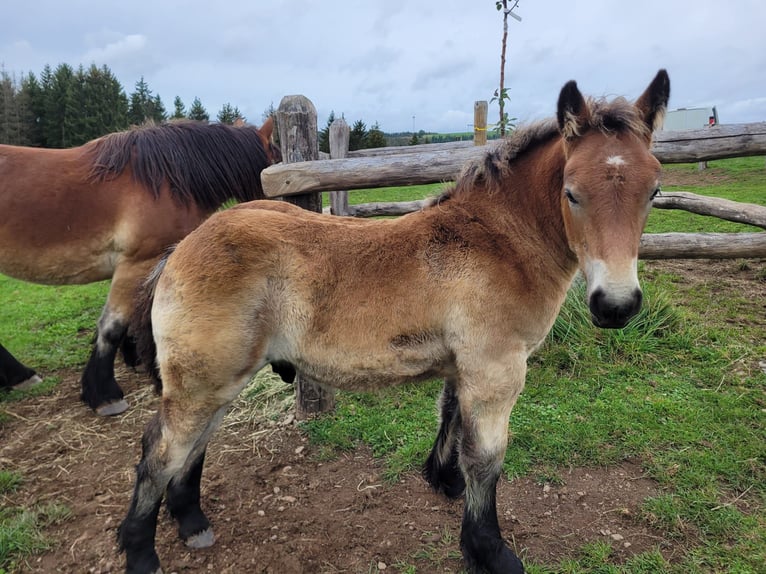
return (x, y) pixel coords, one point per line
(613, 314)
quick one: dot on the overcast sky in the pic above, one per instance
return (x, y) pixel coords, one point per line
(402, 63)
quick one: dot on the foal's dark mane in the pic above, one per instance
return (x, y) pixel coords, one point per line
(202, 163)
(492, 171)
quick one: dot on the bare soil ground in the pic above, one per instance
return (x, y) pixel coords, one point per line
(277, 507)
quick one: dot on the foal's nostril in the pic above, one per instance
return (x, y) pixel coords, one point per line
(613, 314)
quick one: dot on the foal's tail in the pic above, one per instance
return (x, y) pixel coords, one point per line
(141, 322)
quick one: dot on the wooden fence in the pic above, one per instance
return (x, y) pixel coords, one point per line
(433, 163)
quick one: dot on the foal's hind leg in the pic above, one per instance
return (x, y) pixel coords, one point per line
(14, 374)
(442, 470)
(173, 454)
(486, 399)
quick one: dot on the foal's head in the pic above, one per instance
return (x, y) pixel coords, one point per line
(610, 179)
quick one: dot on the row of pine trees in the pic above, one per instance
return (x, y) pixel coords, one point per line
(66, 107)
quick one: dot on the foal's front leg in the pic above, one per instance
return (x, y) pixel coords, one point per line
(485, 409)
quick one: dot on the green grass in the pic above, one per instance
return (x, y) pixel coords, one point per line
(747, 176)
(50, 326)
(21, 529)
(678, 390)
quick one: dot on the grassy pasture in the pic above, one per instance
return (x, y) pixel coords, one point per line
(679, 390)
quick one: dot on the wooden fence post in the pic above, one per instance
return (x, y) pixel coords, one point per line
(339, 138)
(297, 127)
(480, 122)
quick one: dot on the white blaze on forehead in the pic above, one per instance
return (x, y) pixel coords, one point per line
(615, 160)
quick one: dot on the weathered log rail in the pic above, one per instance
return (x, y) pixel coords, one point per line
(433, 163)
(747, 213)
(702, 245)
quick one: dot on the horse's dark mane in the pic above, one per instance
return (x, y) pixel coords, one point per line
(489, 171)
(202, 163)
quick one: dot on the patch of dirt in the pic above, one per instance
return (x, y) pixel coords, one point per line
(276, 507)
(739, 286)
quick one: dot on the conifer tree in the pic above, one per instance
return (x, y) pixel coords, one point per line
(8, 117)
(198, 111)
(228, 114)
(33, 102)
(358, 136)
(61, 108)
(157, 110)
(138, 107)
(179, 110)
(375, 137)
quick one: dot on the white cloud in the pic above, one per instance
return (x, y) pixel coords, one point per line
(129, 46)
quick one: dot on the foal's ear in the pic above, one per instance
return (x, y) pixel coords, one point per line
(267, 129)
(573, 114)
(653, 103)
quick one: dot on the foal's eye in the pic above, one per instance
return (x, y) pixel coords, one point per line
(655, 193)
(570, 197)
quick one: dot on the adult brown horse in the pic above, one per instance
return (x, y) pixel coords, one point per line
(466, 289)
(109, 209)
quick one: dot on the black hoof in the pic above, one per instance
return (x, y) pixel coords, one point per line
(490, 557)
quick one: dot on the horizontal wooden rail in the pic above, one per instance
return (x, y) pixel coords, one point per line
(747, 213)
(433, 163)
(702, 245)
(716, 142)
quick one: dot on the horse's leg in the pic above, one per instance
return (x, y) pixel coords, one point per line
(173, 454)
(442, 470)
(129, 352)
(100, 390)
(183, 500)
(485, 406)
(136, 533)
(14, 374)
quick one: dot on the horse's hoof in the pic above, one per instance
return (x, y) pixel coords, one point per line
(202, 539)
(29, 383)
(111, 409)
